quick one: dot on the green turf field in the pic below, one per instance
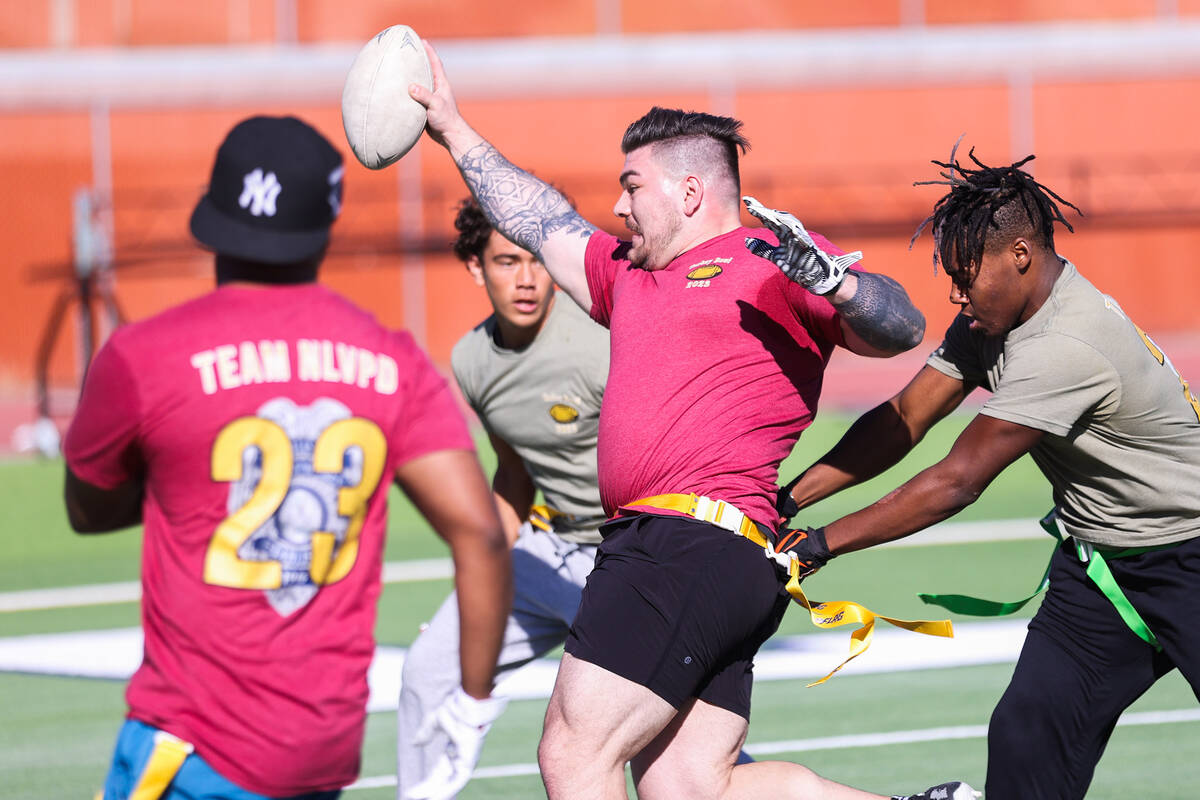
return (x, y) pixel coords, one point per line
(58, 732)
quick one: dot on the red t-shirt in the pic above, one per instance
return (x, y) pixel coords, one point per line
(717, 364)
(266, 425)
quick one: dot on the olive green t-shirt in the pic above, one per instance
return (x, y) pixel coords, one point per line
(544, 401)
(1122, 443)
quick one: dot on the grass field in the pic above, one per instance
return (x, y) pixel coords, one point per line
(58, 732)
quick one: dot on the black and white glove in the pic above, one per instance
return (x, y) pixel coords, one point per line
(954, 790)
(465, 722)
(786, 505)
(797, 254)
(806, 547)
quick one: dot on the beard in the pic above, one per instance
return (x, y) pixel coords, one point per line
(637, 255)
(656, 250)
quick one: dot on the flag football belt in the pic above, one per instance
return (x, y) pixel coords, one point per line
(545, 518)
(1096, 559)
(824, 615)
(164, 762)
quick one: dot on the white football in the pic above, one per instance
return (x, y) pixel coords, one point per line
(382, 122)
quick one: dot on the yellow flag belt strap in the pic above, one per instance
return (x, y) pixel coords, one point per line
(718, 512)
(824, 615)
(165, 761)
(546, 518)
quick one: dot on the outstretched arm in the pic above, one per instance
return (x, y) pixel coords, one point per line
(980, 453)
(528, 211)
(448, 487)
(880, 437)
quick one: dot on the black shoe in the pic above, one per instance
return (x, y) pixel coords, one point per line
(954, 790)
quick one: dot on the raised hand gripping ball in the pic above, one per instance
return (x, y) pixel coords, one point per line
(382, 122)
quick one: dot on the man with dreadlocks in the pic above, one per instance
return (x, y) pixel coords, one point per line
(1114, 428)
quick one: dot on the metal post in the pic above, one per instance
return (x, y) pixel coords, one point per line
(608, 17)
(412, 264)
(286, 25)
(63, 23)
(1020, 115)
(912, 13)
(104, 228)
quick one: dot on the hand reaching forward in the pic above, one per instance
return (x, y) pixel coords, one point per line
(805, 546)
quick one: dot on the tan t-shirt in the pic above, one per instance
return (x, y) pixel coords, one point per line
(1122, 450)
(544, 401)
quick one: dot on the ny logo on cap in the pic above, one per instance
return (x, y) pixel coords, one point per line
(259, 193)
(335, 191)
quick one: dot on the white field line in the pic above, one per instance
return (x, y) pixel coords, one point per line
(830, 743)
(437, 568)
(131, 591)
(115, 655)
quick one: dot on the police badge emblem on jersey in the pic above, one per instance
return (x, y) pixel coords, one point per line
(309, 506)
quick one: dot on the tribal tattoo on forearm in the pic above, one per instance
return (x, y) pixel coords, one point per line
(882, 315)
(523, 208)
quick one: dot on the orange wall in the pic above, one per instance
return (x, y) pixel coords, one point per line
(1119, 150)
(717, 15)
(958, 12)
(43, 157)
(326, 20)
(27, 23)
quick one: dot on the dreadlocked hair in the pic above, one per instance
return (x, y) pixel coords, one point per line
(987, 206)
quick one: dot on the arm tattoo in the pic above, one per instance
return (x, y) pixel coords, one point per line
(882, 315)
(520, 206)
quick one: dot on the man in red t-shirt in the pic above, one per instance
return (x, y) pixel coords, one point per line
(254, 431)
(720, 335)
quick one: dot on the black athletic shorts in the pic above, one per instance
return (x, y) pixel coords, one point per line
(681, 607)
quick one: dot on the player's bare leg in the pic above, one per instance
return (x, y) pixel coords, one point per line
(694, 758)
(595, 723)
(598, 721)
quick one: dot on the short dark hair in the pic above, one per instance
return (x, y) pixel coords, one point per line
(985, 208)
(474, 229)
(663, 124)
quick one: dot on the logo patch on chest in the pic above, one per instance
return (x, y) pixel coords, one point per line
(704, 273)
(560, 412)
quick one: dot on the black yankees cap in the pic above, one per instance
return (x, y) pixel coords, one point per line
(276, 189)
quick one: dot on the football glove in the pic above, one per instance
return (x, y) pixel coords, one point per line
(954, 790)
(785, 505)
(797, 254)
(465, 722)
(807, 547)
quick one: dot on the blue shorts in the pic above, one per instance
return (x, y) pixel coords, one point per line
(194, 780)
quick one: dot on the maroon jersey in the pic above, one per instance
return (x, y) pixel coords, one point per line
(266, 425)
(717, 363)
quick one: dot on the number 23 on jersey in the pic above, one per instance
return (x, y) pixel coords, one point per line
(290, 513)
